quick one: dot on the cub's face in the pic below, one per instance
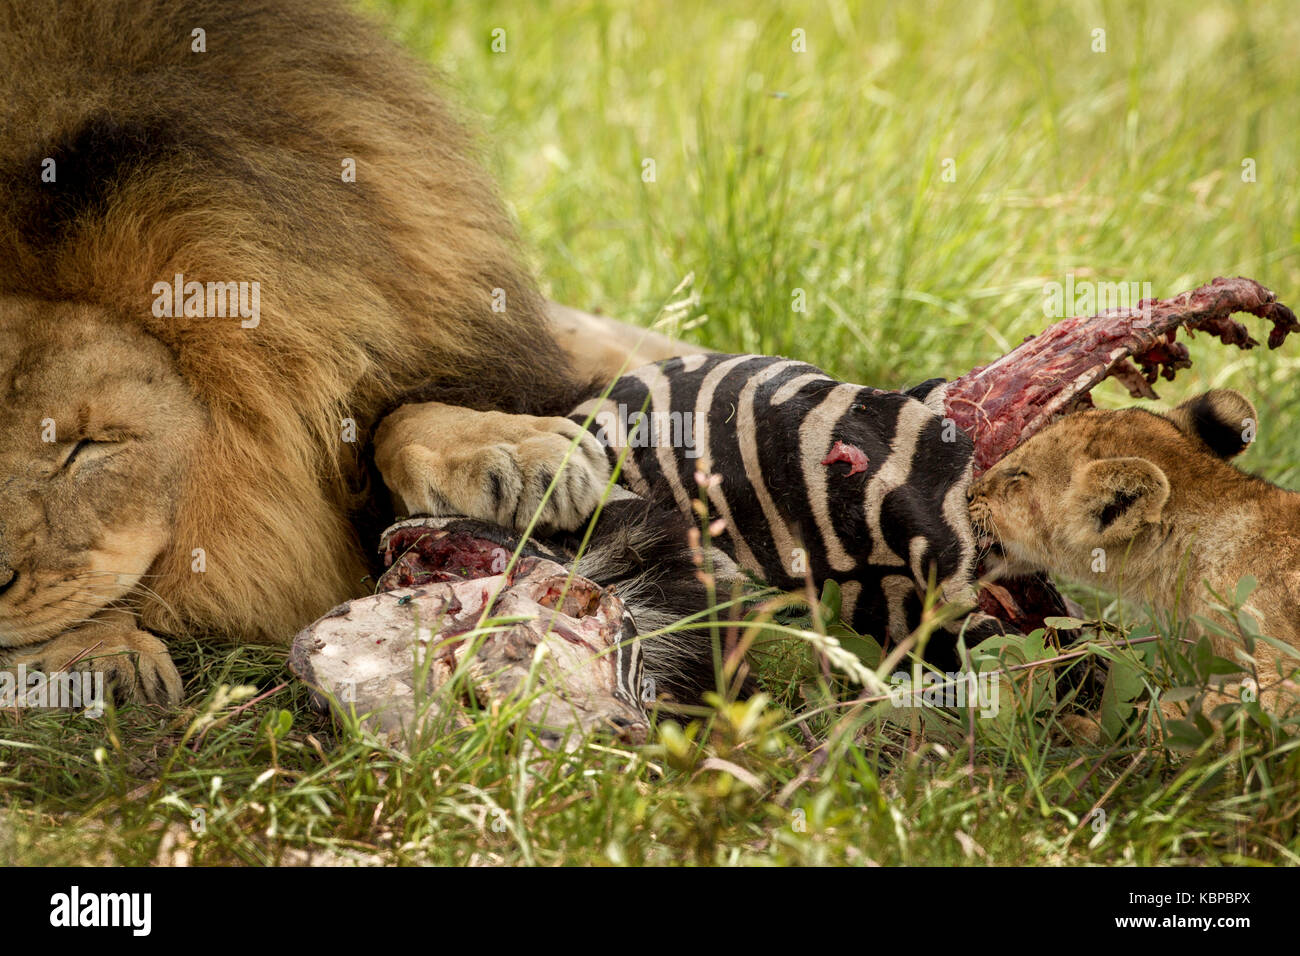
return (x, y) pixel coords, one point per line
(1103, 480)
(97, 429)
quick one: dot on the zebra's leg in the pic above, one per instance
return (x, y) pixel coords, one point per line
(440, 459)
(601, 348)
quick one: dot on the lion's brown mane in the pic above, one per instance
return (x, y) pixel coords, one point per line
(226, 165)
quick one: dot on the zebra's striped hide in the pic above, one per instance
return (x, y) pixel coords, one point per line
(818, 478)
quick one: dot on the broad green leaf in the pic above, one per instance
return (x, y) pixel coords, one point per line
(1064, 623)
(1123, 686)
(1244, 588)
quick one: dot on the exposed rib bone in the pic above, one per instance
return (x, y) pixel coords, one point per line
(1002, 404)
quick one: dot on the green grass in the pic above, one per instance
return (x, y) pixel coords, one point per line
(776, 171)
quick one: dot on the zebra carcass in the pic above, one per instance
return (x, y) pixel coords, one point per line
(812, 479)
(801, 479)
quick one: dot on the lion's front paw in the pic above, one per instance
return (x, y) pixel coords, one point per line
(440, 460)
(128, 664)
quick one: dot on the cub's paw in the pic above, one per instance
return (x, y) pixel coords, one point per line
(438, 459)
(132, 664)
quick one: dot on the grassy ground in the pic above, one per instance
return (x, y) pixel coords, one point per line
(777, 170)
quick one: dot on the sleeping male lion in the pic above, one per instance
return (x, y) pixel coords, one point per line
(233, 236)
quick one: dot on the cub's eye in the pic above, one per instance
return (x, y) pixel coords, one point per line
(1015, 476)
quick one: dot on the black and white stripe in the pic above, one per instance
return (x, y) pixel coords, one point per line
(766, 425)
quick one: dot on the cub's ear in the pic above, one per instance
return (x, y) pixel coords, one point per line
(1222, 420)
(1115, 497)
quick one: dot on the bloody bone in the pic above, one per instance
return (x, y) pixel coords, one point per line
(1002, 404)
(445, 575)
(417, 555)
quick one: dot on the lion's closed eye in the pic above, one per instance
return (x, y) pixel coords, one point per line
(77, 449)
(87, 450)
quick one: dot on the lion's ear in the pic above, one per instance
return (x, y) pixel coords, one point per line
(1222, 420)
(1115, 497)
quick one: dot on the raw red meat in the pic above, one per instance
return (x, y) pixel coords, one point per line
(851, 455)
(1002, 404)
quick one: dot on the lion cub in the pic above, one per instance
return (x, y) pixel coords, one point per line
(1149, 506)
